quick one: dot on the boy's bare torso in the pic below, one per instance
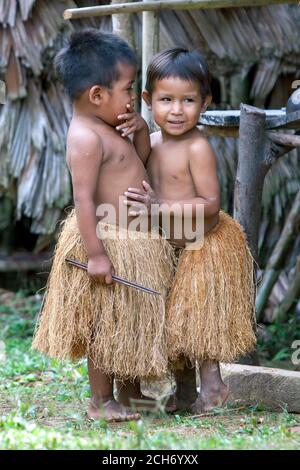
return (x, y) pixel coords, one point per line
(120, 167)
(169, 171)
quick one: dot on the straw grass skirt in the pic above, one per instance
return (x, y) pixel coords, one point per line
(211, 309)
(121, 329)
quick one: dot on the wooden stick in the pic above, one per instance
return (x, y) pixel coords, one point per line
(284, 139)
(218, 412)
(281, 312)
(277, 258)
(135, 7)
(118, 279)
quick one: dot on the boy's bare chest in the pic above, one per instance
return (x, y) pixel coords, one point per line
(120, 156)
(169, 166)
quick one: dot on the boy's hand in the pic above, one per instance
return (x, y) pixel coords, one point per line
(101, 269)
(133, 122)
(140, 200)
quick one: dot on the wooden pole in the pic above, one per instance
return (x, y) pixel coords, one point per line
(135, 7)
(150, 42)
(250, 176)
(249, 180)
(122, 25)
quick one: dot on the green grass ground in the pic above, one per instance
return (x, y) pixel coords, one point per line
(43, 404)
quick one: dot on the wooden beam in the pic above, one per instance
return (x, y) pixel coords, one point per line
(25, 262)
(136, 7)
(231, 118)
(288, 140)
(285, 120)
(150, 44)
(220, 131)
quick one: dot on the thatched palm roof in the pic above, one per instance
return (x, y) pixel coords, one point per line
(238, 38)
(34, 120)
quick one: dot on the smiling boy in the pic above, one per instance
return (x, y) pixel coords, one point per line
(210, 310)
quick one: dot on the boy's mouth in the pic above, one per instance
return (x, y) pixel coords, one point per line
(176, 122)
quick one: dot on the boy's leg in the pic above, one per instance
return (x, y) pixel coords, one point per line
(213, 391)
(102, 403)
(129, 390)
(186, 389)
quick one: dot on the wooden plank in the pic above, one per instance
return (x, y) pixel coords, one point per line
(25, 262)
(230, 118)
(275, 119)
(135, 7)
(287, 121)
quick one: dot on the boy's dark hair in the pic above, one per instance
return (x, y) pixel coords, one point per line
(91, 58)
(181, 63)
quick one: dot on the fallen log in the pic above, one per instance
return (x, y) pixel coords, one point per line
(277, 389)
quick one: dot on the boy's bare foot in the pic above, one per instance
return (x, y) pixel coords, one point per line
(207, 400)
(129, 394)
(186, 390)
(111, 411)
(102, 403)
(179, 403)
(214, 392)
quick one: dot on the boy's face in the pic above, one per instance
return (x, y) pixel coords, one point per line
(116, 99)
(176, 105)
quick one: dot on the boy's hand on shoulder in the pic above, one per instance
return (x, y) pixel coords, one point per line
(133, 123)
(100, 268)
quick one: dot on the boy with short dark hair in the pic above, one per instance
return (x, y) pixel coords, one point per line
(121, 330)
(210, 310)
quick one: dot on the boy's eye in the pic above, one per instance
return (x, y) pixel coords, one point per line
(165, 99)
(189, 100)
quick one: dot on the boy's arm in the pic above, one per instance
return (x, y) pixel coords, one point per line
(85, 161)
(136, 125)
(141, 141)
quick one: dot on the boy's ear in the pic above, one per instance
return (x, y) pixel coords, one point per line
(96, 94)
(147, 98)
(206, 103)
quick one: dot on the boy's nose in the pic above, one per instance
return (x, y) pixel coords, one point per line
(176, 108)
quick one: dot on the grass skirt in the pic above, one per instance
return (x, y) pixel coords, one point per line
(121, 329)
(211, 306)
